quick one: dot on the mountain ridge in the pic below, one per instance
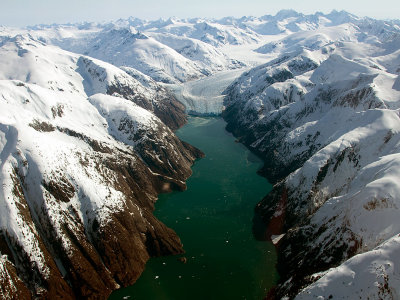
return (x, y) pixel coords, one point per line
(318, 100)
(324, 117)
(80, 165)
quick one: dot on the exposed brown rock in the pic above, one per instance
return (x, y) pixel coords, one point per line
(164, 105)
(42, 126)
(11, 286)
(62, 190)
(99, 256)
(51, 286)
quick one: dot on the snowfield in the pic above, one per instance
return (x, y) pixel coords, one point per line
(76, 155)
(325, 116)
(86, 144)
(347, 281)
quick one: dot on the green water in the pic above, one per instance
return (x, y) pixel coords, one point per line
(213, 219)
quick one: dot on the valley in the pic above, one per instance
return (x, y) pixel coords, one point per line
(97, 183)
(213, 218)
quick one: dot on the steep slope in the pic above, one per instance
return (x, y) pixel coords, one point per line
(208, 31)
(313, 39)
(208, 57)
(142, 53)
(327, 127)
(80, 172)
(290, 21)
(103, 78)
(99, 77)
(163, 103)
(377, 266)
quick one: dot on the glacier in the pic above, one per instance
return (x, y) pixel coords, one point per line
(87, 118)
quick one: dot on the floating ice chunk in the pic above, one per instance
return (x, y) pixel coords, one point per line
(276, 238)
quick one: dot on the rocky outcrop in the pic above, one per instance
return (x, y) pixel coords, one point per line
(329, 139)
(80, 173)
(162, 102)
(11, 286)
(97, 254)
(134, 86)
(257, 112)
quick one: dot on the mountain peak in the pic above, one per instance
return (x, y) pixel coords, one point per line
(287, 13)
(341, 16)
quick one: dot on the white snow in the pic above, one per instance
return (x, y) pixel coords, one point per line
(334, 91)
(205, 96)
(332, 74)
(51, 103)
(371, 275)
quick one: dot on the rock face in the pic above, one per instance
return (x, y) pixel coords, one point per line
(137, 87)
(141, 52)
(326, 121)
(163, 104)
(82, 161)
(171, 53)
(84, 149)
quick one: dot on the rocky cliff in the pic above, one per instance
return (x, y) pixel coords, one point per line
(326, 121)
(82, 161)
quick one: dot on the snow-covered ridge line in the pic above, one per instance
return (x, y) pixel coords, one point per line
(176, 51)
(179, 50)
(82, 159)
(79, 141)
(324, 115)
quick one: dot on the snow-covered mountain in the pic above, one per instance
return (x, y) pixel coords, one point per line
(290, 21)
(325, 117)
(82, 159)
(168, 58)
(208, 57)
(129, 48)
(180, 50)
(212, 32)
(86, 145)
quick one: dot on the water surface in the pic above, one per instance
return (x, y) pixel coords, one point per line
(213, 218)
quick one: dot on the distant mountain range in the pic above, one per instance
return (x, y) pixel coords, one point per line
(178, 50)
(87, 113)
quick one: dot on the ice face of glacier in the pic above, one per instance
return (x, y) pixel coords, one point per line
(85, 150)
(205, 96)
